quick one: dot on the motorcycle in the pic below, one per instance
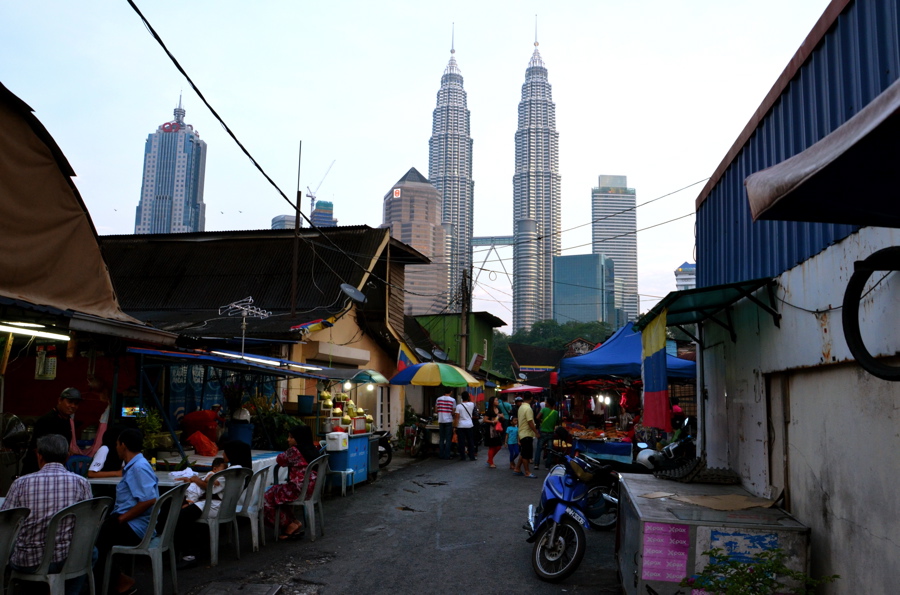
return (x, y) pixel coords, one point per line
(420, 444)
(673, 455)
(577, 495)
(385, 448)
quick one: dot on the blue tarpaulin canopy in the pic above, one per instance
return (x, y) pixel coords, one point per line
(619, 356)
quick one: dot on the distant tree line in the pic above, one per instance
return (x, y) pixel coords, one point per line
(546, 333)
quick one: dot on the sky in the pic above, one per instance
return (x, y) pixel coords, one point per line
(656, 90)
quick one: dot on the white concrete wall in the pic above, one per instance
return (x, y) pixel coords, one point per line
(788, 408)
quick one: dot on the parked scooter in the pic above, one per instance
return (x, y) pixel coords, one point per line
(575, 496)
(385, 449)
(420, 443)
(674, 454)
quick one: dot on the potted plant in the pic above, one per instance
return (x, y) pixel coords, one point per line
(150, 423)
(765, 573)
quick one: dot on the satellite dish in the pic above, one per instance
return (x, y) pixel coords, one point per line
(523, 376)
(438, 354)
(423, 354)
(353, 293)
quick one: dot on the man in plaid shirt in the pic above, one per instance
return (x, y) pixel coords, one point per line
(44, 493)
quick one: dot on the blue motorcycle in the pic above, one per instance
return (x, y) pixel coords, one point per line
(577, 494)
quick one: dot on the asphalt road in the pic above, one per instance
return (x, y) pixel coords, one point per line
(426, 526)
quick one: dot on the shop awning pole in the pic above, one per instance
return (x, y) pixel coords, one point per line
(162, 413)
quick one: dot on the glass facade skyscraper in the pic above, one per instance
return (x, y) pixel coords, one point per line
(614, 233)
(536, 199)
(172, 189)
(450, 171)
(584, 289)
(323, 214)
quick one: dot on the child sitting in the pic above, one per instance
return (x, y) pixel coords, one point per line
(197, 489)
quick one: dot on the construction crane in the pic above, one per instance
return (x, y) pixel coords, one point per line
(311, 194)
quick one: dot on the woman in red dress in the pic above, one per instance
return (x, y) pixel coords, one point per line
(296, 458)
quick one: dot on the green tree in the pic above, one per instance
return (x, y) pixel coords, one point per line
(549, 334)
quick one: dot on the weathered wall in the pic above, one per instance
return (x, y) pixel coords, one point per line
(799, 414)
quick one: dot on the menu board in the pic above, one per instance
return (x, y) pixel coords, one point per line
(666, 547)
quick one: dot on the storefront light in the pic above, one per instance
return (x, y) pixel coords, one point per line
(32, 332)
(370, 387)
(348, 385)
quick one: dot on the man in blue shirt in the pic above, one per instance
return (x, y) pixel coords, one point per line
(130, 519)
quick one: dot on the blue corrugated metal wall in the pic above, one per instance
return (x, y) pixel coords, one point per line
(856, 60)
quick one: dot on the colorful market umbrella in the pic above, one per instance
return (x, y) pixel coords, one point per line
(435, 374)
(523, 388)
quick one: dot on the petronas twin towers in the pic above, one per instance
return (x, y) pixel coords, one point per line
(536, 190)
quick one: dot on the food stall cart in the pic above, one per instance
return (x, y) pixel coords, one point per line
(664, 528)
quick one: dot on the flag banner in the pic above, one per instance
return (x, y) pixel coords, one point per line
(313, 325)
(657, 409)
(404, 358)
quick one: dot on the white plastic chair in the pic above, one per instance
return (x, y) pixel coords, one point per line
(320, 466)
(10, 523)
(227, 510)
(89, 516)
(152, 546)
(252, 505)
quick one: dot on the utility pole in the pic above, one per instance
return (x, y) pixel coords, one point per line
(294, 273)
(466, 295)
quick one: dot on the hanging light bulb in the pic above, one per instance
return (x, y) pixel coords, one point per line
(370, 386)
(606, 400)
(348, 385)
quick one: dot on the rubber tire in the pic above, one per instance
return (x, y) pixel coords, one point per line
(607, 521)
(573, 531)
(416, 447)
(385, 457)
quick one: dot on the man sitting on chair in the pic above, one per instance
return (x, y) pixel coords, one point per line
(44, 493)
(130, 518)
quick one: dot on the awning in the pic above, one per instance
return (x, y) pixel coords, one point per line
(354, 375)
(692, 306)
(524, 388)
(232, 361)
(850, 176)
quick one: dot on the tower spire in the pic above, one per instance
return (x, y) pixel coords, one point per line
(535, 31)
(179, 111)
(453, 39)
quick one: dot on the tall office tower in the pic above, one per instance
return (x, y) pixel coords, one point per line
(614, 234)
(283, 222)
(412, 210)
(172, 191)
(536, 199)
(686, 276)
(323, 214)
(584, 289)
(450, 171)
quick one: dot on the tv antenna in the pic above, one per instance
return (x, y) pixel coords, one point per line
(311, 194)
(245, 309)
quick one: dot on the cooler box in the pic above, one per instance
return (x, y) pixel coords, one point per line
(336, 441)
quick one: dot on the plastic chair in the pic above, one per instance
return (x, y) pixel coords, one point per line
(346, 475)
(156, 546)
(79, 464)
(10, 523)
(252, 505)
(227, 510)
(320, 466)
(88, 518)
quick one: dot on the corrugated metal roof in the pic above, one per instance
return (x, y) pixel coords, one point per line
(851, 56)
(180, 280)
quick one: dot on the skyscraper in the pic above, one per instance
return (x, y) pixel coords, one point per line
(412, 209)
(536, 199)
(450, 171)
(172, 191)
(614, 234)
(584, 289)
(323, 214)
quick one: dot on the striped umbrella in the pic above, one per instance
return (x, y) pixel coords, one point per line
(435, 374)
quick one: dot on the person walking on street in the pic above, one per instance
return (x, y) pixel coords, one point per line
(465, 428)
(549, 419)
(527, 434)
(512, 442)
(493, 438)
(445, 406)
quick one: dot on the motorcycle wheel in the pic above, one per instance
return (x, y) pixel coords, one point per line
(384, 456)
(416, 447)
(553, 562)
(608, 519)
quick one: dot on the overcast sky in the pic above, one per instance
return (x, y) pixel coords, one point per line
(656, 90)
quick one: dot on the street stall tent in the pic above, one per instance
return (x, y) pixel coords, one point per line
(619, 356)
